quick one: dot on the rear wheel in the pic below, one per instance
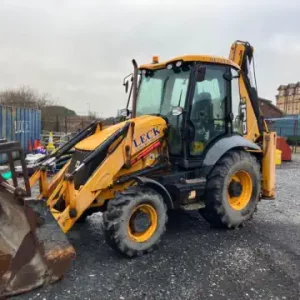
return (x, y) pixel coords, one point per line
(233, 190)
(135, 221)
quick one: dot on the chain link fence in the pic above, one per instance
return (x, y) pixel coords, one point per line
(64, 128)
(65, 124)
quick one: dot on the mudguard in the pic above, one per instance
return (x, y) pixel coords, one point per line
(224, 145)
(150, 183)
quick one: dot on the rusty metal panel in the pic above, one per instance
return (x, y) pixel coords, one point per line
(19, 124)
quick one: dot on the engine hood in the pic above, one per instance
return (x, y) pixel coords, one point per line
(143, 125)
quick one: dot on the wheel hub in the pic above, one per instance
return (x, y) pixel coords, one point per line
(235, 189)
(140, 222)
(239, 190)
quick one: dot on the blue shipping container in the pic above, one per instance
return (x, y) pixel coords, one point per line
(19, 124)
(288, 126)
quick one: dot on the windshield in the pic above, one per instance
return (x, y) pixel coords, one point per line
(161, 90)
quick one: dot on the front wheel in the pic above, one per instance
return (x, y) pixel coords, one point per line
(233, 190)
(135, 221)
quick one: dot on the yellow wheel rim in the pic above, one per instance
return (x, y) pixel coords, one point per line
(141, 233)
(244, 180)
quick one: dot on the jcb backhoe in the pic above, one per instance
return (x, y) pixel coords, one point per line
(193, 139)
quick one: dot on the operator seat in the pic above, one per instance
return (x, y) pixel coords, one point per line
(202, 108)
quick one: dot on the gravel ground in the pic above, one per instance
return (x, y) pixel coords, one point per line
(260, 261)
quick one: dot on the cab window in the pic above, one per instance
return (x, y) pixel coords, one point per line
(208, 108)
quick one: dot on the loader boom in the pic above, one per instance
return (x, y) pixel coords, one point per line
(121, 151)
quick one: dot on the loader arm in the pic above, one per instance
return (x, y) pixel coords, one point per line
(78, 201)
(123, 157)
(41, 175)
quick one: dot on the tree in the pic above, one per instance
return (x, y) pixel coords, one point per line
(25, 97)
(57, 111)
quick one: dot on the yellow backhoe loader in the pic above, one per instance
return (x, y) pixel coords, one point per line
(193, 138)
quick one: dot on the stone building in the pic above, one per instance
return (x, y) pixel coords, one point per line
(288, 98)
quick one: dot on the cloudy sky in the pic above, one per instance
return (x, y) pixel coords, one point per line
(79, 51)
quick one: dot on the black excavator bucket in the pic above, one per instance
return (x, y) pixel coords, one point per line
(33, 249)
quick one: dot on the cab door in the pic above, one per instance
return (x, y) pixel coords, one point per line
(208, 108)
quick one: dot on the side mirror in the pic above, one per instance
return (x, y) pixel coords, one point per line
(126, 82)
(124, 112)
(126, 86)
(177, 111)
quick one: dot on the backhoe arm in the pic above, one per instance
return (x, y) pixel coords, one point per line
(242, 54)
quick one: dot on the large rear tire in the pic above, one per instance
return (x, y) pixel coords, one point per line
(135, 221)
(233, 190)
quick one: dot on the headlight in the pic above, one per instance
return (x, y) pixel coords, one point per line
(178, 64)
(169, 66)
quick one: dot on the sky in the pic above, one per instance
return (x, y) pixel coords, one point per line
(80, 51)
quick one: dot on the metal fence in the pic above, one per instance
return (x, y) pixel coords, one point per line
(71, 124)
(65, 124)
(64, 128)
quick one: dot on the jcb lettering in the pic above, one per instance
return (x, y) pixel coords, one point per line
(244, 118)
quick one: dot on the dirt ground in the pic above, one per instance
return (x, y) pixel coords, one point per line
(260, 261)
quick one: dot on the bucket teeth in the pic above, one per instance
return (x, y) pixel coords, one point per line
(33, 249)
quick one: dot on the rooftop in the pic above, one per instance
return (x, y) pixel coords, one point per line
(269, 102)
(290, 85)
(187, 58)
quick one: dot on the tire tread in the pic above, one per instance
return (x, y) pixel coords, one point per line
(215, 212)
(112, 219)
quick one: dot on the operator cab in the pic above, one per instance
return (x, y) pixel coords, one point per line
(199, 100)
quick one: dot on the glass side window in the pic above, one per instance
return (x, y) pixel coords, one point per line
(208, 108)
(159, 92)
(162, 90)
(236, 103)
(150, 92)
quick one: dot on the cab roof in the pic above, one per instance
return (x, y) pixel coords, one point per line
(187, 58)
